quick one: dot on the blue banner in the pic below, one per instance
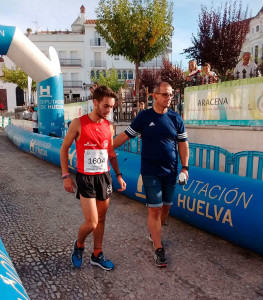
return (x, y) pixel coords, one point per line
(223, 204)
(11, 287)
(6, 37)
(51, 106)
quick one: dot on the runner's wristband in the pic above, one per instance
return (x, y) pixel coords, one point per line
(119, 174)
(64, 176)
(185, 167)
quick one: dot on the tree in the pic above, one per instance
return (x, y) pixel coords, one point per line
(222, 32)
(173, 74)
(139, 30)
(18, 77)
(28, 31)
(149, 78)
(108, 78)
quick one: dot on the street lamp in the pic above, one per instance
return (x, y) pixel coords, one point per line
(84, 85)
(1, 65)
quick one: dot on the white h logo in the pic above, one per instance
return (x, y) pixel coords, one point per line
(42, 91)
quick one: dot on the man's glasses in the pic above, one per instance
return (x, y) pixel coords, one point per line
(165, 95)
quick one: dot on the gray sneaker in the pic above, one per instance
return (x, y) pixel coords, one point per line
(159, 258)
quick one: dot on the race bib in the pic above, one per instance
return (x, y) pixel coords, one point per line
(95, 160)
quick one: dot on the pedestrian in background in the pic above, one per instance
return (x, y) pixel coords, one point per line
(34, 118)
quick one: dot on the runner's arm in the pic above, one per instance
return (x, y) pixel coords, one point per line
(72, 134)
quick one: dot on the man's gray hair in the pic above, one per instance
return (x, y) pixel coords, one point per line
(157, 87)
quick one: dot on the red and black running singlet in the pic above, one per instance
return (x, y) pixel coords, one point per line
(92, 147)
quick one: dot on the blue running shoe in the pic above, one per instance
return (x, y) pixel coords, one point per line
(101, 261)
(76, 256)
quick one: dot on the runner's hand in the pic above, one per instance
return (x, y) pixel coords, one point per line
(122, 184)
(69, 185)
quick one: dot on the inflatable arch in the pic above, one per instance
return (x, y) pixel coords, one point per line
(46, 72)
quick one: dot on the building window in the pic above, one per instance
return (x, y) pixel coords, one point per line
(257, 28)
(74, 54)
(65, 76)
(130, 74)
(97, 73)
(92, 73)
(116, 57)
(124, 74)
(119, 74)
(256, 54)
(74, 76)
(62, 54)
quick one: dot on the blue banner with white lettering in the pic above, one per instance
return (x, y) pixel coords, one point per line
(227, 205)
(11, 287)
(51, 106)
(6, 37)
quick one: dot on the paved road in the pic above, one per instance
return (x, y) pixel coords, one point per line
(39, 223)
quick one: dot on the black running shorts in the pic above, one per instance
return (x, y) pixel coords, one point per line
(94, 186)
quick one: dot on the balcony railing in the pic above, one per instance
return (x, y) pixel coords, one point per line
(98, 63)
(72, 84)
(98, 42)
(152, 64)
(70, 62)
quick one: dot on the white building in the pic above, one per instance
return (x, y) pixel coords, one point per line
(254, 39)
(10, 94)
(82, 53)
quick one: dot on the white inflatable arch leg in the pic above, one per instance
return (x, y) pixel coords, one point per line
(46, 72)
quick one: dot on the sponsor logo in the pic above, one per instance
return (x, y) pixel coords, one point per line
(39, 148)
(212, 101)
(32, 146)
(109, 189)
(260, 103)
(88, 144)
(45, 92)
(105, 144)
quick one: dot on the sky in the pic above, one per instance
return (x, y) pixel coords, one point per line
(60, 14)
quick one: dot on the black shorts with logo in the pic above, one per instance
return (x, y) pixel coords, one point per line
(94, 186)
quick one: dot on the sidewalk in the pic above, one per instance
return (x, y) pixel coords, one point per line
(39, 222)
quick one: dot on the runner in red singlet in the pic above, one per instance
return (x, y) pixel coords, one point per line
(93, 135)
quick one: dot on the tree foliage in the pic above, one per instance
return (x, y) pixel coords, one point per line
(149, 78)
(18, 77)
(139, 30)
(222, 32)
(108, 78)
(173, 74)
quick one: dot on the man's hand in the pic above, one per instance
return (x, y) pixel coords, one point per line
(69, 185)
(122, 184)
(186, 173)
